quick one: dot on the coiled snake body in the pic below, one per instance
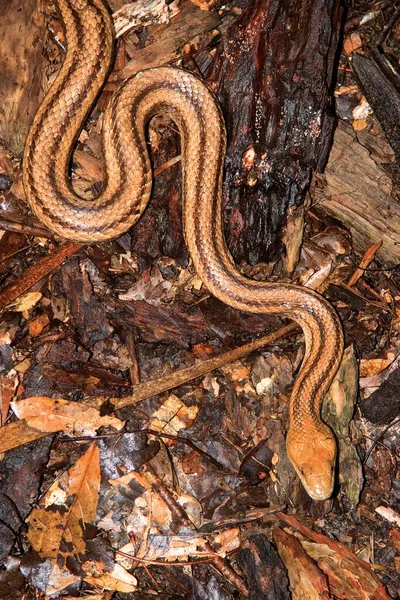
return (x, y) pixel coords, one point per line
(174, 92)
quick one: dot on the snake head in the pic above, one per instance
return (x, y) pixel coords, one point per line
(313, 456)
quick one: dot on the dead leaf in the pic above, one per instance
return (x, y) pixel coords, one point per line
(157, 545)
(172, 416)
(8, 386)
(360, 115)
(50, 415)
(372, 366)
(67, 506)
(352, 43)
(26, 302)
(306, 579)
(57, 527)
(57, 578)
(119, 580)
(37, 325)
(152, 288)
(23, 366)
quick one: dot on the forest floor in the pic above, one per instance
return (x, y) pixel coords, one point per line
(114, 487)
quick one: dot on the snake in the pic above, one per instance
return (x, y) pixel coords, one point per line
(191, 104)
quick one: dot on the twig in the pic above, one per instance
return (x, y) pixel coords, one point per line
(389, 26)
(16, 434)
(182, 440)
(162, 384)
(25, 229)
(365, 262)
(376, 440)
(128, 338)
(176, 509)
(166, 165)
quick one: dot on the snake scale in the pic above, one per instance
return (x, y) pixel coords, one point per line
(191, 104)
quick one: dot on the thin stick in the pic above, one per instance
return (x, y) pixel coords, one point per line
(16, 434)
(176, 509)
(153, 387)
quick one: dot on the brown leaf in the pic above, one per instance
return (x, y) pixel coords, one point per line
(50, 415)
(37, 325)
(57, 527)
(369, 367)
(352, 43)
(8, 385)
(119, 580)
(67, 506)
(173, 415)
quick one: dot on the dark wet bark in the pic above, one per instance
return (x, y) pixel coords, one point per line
(274, 73)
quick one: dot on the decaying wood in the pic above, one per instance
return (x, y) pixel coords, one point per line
(274, 74)
(170, 40)
(357, 191)
(380, 83)
(259, 561)
(142, 14)
(21, 32)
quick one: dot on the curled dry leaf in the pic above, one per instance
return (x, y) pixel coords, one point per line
(369, 367)
(156, 546)
(50, 415)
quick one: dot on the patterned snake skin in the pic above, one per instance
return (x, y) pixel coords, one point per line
(189, 102)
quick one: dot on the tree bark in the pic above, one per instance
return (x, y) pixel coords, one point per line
(357, 191)
(22, 34)
(274, 74)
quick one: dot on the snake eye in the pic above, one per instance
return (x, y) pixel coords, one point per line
(302, 471)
